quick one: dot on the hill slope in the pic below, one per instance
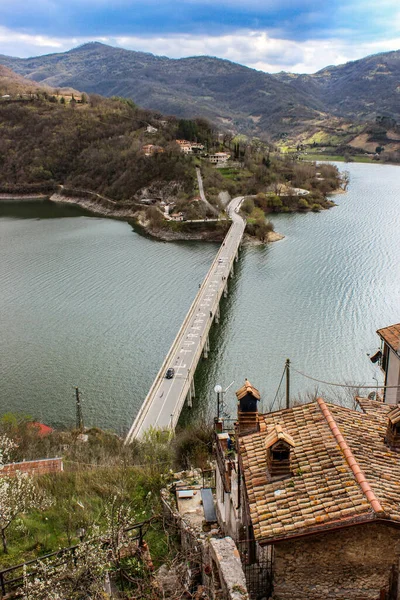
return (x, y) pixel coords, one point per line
(229, 94)
(98, 145)
(233, 96)
(360, 89)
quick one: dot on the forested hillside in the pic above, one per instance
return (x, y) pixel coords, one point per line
(234, 97)
(95, 144)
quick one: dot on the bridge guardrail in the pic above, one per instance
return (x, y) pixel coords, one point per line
(160, 375)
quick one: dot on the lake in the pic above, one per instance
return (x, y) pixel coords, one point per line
(87, 301)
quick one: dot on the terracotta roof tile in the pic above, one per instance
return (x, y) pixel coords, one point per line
(275, 434)
(247, 388)
(391, 335)
(325, 487)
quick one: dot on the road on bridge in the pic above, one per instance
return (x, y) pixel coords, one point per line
(166, 397)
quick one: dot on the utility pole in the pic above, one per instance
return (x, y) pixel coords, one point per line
(287, 383)
(79, 414)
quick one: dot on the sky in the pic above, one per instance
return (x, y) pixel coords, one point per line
(301, 36)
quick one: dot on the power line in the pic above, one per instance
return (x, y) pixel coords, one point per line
(346, 385)
(277, 391)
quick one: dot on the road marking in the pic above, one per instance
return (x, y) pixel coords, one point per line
(211, 291)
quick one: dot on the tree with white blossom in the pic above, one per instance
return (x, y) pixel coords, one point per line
(73, 577)
(6, 447)
(18, 493)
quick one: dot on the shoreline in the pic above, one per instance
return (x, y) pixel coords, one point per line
(25, 197)
(137, 219)
(135, 216)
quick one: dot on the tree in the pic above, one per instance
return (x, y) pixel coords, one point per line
(6, 448)
(80, 576)
(17, 494)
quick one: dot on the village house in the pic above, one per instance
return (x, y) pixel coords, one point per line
(219, 158)
(151, 129)
(389, 357)
(178, 216)
(151, 149)
(282, 189)
(189, 147)
(315, 490)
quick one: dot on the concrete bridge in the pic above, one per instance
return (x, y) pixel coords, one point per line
(166, 398)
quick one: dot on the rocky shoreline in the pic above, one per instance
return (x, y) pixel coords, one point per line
(109, 209)
(104, 207)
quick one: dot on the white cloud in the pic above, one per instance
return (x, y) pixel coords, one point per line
(251, 48)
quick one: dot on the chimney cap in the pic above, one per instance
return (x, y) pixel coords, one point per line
(277, 434)
(247, 388)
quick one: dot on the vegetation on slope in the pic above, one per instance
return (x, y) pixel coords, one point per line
(232, 96)
(95, 146)
(95, 473)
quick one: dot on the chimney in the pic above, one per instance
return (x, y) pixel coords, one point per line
(279, 445)
(392, 437)
(248, 396)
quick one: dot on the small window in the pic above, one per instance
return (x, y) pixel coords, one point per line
(280, 455)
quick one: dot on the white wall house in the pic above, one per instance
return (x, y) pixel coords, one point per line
(390, 361)
(219, 158)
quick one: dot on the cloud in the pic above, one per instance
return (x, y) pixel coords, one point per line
(286, 19)
(255, 49)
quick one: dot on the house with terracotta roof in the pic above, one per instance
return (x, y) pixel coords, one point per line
(317, 488)
(151, 149)
(189, 147)
(390, 362)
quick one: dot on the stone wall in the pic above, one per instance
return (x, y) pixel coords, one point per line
(34, 467)
(348, 564)
(216, 558)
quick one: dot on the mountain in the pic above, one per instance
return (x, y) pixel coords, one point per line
(361, 89)
(235, 97)
(231, 95)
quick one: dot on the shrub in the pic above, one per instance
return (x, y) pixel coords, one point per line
(303, 204)
(247, 206)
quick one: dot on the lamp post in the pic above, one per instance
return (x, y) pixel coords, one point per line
(218, 391)
(220, 405)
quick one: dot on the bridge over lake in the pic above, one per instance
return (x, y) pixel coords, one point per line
(166, 398)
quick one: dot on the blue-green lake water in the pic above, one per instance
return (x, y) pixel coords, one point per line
(87, 301)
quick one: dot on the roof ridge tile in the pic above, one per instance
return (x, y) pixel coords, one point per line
(350, 459)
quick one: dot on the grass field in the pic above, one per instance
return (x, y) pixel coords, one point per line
(80, 500)
(337, 158)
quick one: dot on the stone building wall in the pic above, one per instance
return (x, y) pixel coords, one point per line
(347, 564)
(217, 559)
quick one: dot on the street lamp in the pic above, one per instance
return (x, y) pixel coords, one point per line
(218, 391)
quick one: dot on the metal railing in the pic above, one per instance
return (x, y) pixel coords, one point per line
(12, 578)
(143, 411)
